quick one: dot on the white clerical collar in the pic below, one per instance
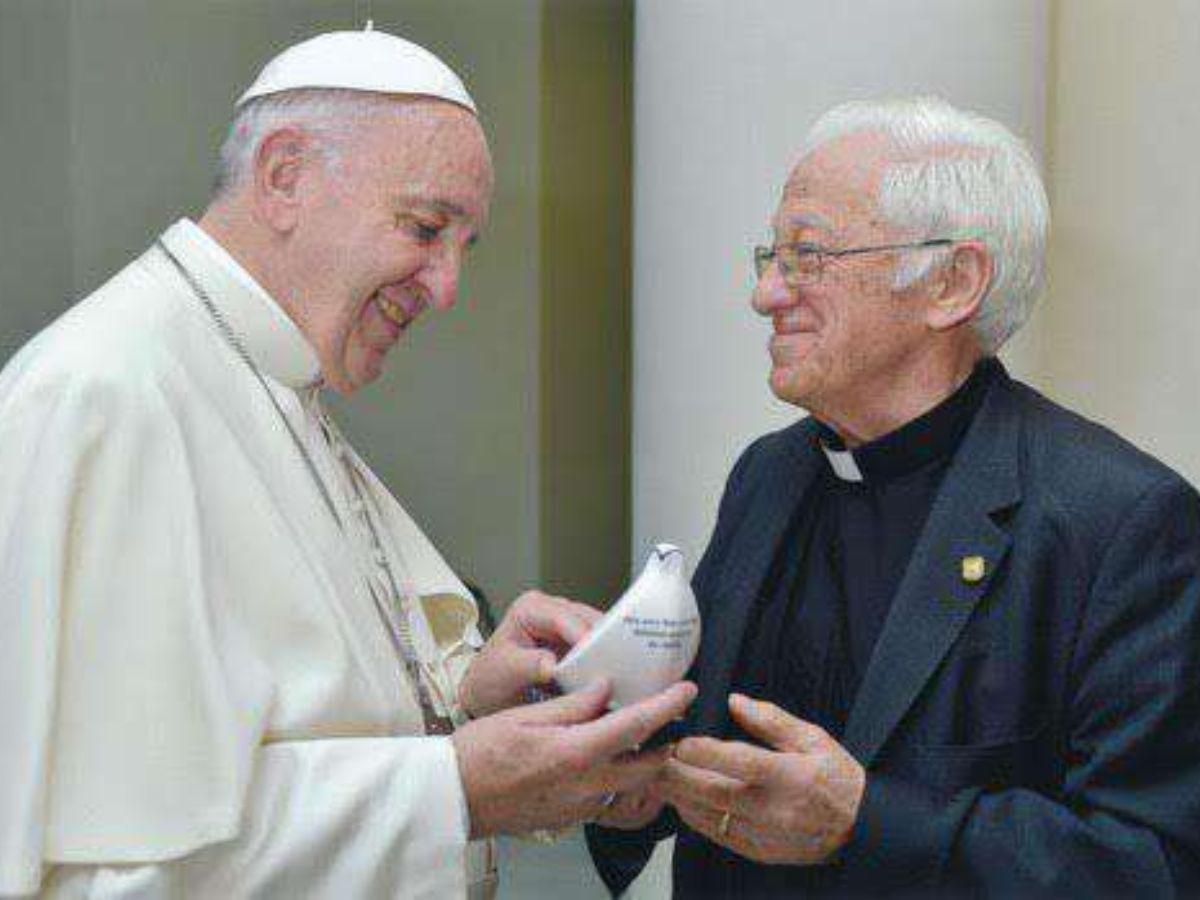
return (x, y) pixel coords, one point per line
(275, 342)
(843, 463)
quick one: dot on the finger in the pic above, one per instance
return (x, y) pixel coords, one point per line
(626, 728)
(769, 723)
(728, 832)
(572, 709)
(736, 759)
(532, 665)
(637, 771)
(684, 785)
(555, 620)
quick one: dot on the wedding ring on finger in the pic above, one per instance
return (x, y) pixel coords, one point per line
(723, 826)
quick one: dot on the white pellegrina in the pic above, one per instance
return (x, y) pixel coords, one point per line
(647, 640)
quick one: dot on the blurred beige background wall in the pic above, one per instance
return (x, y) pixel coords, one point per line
(502, 425)
(1121, 325)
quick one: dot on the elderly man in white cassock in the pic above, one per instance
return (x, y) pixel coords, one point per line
(230, 664)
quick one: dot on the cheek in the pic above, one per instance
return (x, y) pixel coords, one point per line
(838, 336)
(363, 321)
(831, 319)
(362, 364)
(860, 311)
(345, 330)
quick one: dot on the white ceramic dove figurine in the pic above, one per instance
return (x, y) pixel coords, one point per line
(647, 641)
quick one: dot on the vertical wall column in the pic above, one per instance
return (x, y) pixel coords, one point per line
(586, 149)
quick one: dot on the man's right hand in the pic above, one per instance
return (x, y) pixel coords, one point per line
(553, 764)
(535, 632)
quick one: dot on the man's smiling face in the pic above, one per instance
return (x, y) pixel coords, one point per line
(838, 337)
(386, 223)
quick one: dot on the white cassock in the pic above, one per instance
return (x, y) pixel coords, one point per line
(198, 695)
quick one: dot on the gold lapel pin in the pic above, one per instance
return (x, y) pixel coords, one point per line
(973, 569)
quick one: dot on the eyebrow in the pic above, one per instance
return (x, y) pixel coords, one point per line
(445, 207)
(806, 220)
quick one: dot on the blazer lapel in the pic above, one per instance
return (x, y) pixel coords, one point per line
(780, 488)
(959, 552)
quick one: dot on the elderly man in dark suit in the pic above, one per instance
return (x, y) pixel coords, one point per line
(952, 630)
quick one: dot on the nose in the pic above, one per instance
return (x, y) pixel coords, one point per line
(443, 279)
(771, 292)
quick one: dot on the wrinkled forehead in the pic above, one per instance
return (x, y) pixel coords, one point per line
(835, 185)
(431, 149)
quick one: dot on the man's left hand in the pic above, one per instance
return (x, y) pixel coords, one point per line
(535, 632)
(793, 804)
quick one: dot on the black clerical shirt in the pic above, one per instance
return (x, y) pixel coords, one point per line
(811, 636)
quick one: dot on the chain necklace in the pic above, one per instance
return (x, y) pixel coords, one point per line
(390, 608)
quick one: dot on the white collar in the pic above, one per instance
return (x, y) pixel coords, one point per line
(275, 343)
(843, 463)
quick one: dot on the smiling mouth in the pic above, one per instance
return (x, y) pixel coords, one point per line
(392, 311)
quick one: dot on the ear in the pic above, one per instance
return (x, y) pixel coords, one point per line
(960, 286)
(280, 164)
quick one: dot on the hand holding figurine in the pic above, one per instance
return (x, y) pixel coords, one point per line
(535, 631)
(552, 764)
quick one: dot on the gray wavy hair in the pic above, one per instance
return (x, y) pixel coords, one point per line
(957, 174)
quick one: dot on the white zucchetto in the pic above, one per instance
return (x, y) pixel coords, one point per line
(360, 61)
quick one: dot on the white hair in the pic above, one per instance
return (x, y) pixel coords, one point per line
(955, 174)
(329, 114)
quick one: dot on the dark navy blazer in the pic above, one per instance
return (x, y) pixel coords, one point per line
(1032, 733)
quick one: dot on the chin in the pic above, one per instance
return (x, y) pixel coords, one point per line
(789, 386)
(344, 382)
(361, 369)
(359, 380)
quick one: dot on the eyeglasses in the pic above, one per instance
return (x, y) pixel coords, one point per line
(804, 264)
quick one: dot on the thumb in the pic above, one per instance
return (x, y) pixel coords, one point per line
(574, 708)
(534, 666)
(769, 723)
